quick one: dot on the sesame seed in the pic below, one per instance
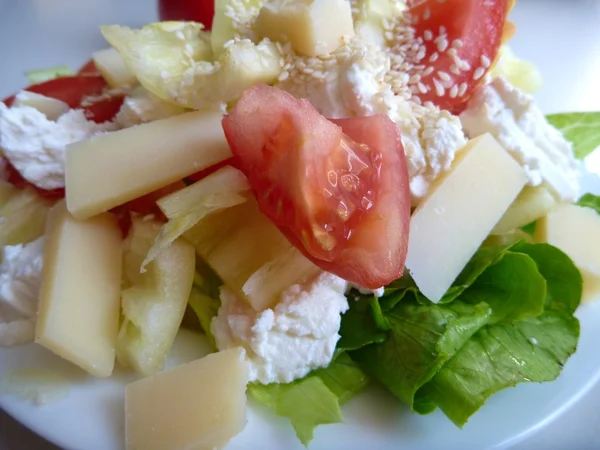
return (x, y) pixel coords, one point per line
(439, 89)
(479, 72)
(454, 91)
(453, 52)
(485, 61)
(434, 57)
(427, 14)
(422, 88)
(414, 79)
(428, 71)
(454, 69)
(443, 76)
(457, 43)
(462, 89)
(463, 65)
(428, 35)
(442, 43)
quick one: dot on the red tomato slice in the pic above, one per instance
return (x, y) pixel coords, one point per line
(201, 11)
(461, 39)
(89, 68)
(82, 91)
(338, 191)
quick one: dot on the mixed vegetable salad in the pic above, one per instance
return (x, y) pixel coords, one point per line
(335, 193)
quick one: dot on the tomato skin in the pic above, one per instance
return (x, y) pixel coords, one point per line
(202, 11)
(89, 68)
(478, 25)
(75, 90)
(296, 162)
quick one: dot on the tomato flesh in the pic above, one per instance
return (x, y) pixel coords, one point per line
(89, 68)
(201, 11)
(473, 36)
(329, 186)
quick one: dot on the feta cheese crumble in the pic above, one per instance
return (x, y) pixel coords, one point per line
(36, 146)
(514, 119)
(20, 279)
(295, 337)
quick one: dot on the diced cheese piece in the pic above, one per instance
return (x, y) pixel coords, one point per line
(200, 405)
(78, 316)
(532, 203)
(111, 65)
(313, 27)
(576, 231)
(52, 108)
(113, 168)
(460, 211)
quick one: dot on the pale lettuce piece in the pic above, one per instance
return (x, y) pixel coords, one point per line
(153, 303)
(174, 60)
(22, 215)
(185, 208)
(40, 75)
(520, 73)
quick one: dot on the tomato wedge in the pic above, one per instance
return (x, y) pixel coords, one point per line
(85, 92)
(461, 40)
(338, 190)
(201, 11)
(89, 68)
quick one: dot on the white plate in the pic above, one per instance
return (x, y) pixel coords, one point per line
(42, 33)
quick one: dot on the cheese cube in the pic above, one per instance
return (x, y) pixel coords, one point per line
(111, 65)
(200, 405)
(576, 231)
(532, 203)
(78, 316)
(461, 209)
(313, 27)
(114, 168)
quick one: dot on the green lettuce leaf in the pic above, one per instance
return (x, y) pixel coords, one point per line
(204, 298)
(581, 129)
(359, 327)
(421, 340)
(590, 201)
(315, 399)
(502, 356)
(512, 287)
(41, 75)
(510, 307)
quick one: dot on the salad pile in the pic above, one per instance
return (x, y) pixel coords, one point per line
(335, 193)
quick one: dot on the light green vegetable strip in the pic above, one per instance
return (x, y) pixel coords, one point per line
(581, 129)
(41, 75)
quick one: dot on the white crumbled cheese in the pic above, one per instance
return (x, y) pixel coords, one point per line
(295, 337)
(142, 106)
(35, 145)
(20, 279)
(514, 119)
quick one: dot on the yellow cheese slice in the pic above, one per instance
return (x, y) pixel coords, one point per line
(78, 316)
(200, 405)
(113, 168)
(576, 231)
(461, 209)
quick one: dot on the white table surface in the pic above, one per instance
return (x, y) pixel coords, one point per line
(561, 36)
